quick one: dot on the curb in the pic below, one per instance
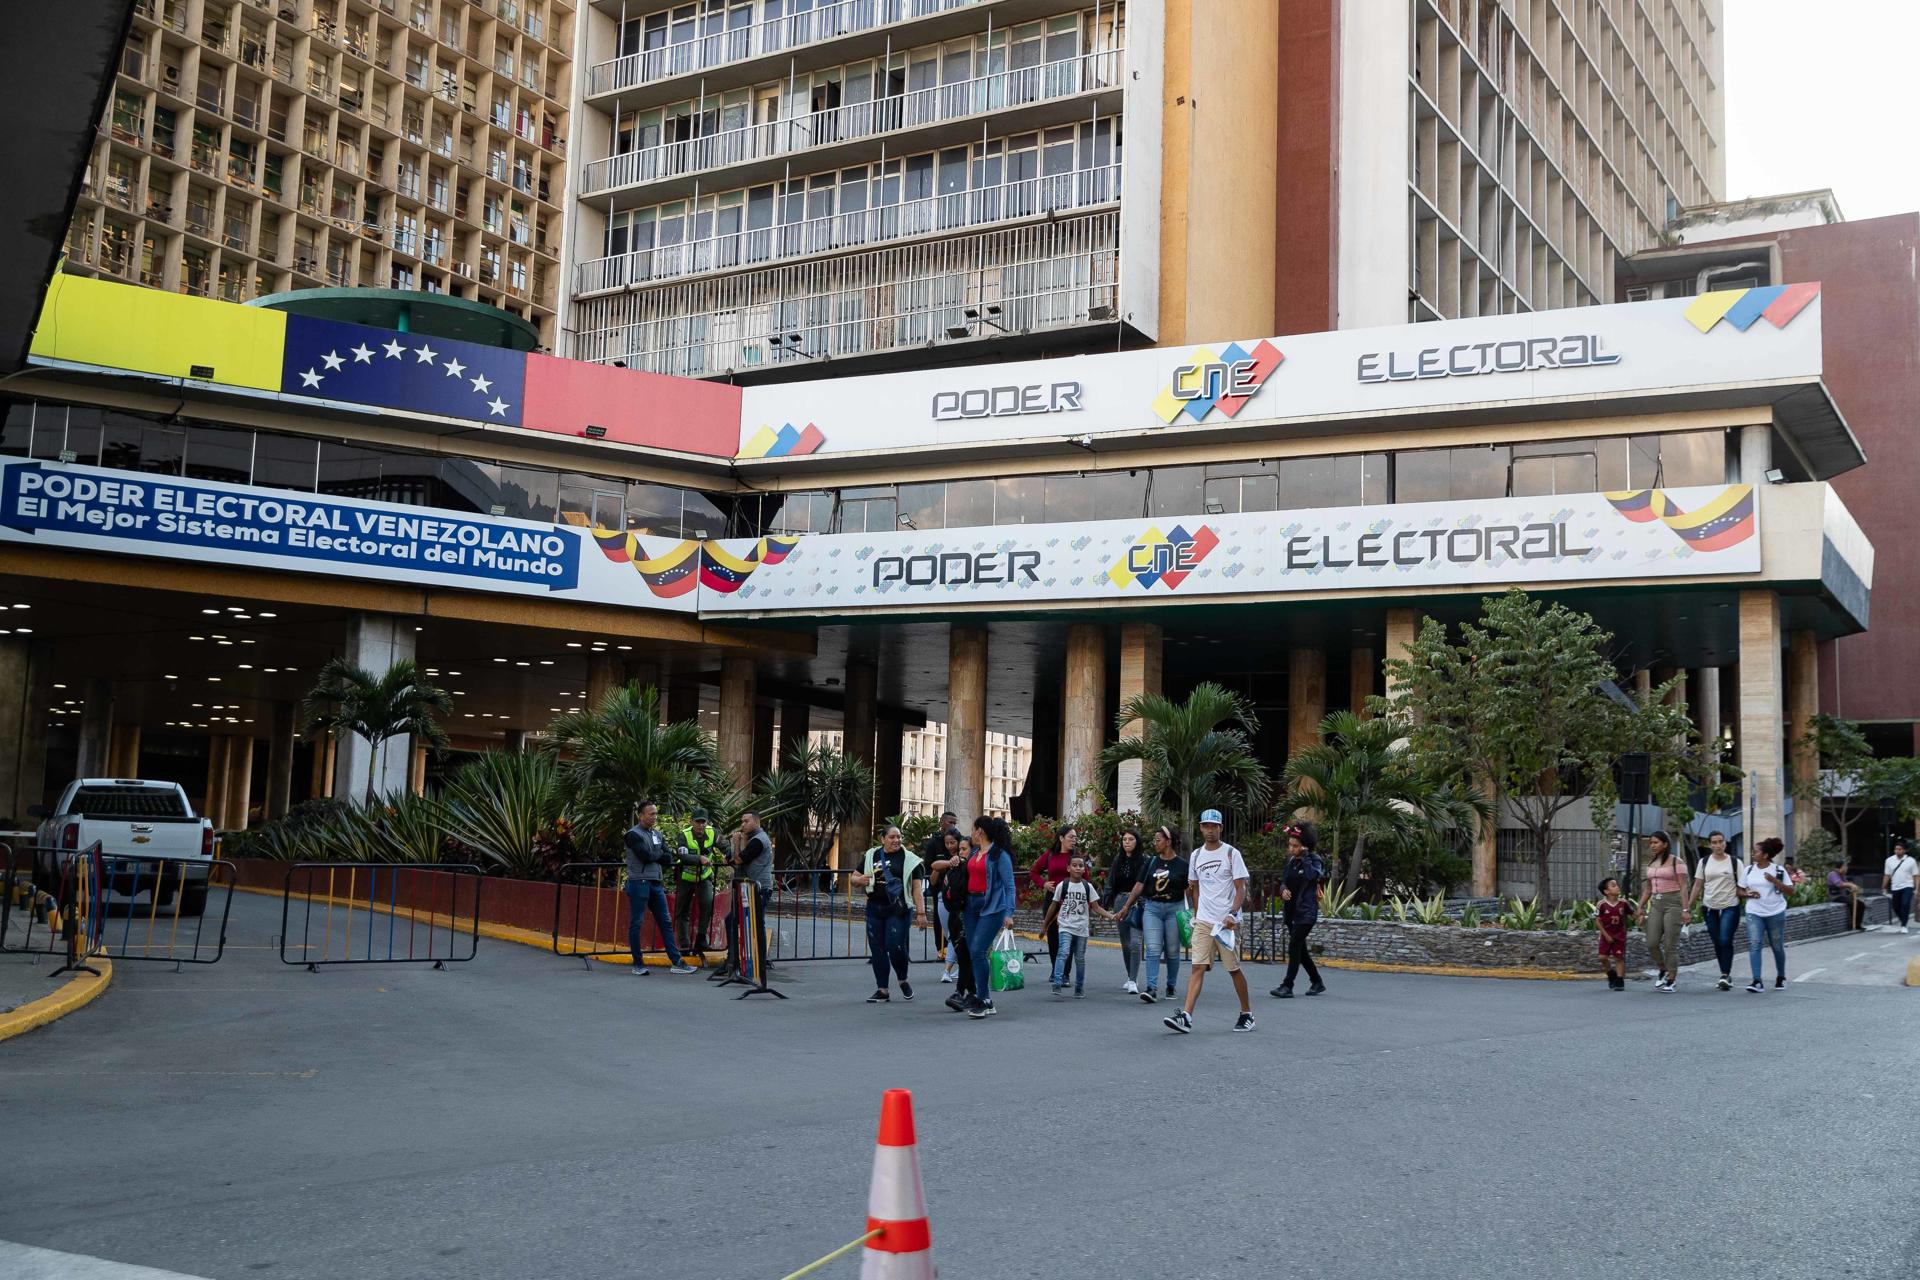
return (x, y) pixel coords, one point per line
(78, 990)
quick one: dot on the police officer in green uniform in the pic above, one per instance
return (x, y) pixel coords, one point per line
(698, 872)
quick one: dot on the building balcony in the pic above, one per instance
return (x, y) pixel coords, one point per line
(1029, 97)
(1079, 191)
(1045, 277)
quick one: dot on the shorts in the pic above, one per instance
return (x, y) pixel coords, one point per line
(1206, 948)
(1612, 946)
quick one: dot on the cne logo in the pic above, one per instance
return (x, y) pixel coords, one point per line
(1225, 381)
(1777, 304)
(1164, 558)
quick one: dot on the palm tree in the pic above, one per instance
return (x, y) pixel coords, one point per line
(1362, 785)
(400, 703)
(1194, 755)
(501, 804)
(618, 754)
(817, 794)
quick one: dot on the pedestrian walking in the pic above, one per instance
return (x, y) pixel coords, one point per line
(932, 853)
(1613, 912)
(895, 880)
(1300, 883)
(1765, 887)
(1663, 907)
(1158, 895)
(648, 858)
(1847, 893)
(950, 888)
(1071, 908)
(990, 904)
(1899, 877)
(701, 861)
(752, 862)
(1216, 889)
(1717, 883)
(1048, 870)
(1125, 871)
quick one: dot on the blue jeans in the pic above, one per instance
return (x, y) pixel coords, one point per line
(1902, 906)
(886, 942)
(1073, 955)
(644, 896)
(1722, 923)
(980, 933)
(1762, 930)
(1162, 932)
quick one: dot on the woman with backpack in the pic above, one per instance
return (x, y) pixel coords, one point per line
(950, 881)
(1162, 891)
(1717, 883)
(1663, 907)
(1125, 872)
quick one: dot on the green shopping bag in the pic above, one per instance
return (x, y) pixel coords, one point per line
(1185, 917)
(1006, 962)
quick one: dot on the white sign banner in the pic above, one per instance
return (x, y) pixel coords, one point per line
(1512, 541)
(1715, 339)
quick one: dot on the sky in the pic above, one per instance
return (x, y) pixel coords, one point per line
(1821, 93)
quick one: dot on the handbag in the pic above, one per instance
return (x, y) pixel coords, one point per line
(1185, 919)
(1006, 962)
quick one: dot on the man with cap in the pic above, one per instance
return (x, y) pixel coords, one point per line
(1216, 890)
(693, 902)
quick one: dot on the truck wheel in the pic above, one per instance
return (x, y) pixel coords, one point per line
(163, 894)
(193, 899)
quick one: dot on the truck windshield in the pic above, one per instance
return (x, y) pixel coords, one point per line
(128, 802)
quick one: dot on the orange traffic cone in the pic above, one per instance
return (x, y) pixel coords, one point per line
(896, 1206)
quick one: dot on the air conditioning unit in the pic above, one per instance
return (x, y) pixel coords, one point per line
(1638, 293)
(464, 269)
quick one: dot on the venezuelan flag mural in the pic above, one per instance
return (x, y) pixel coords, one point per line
(1725, 521)
(687, 564)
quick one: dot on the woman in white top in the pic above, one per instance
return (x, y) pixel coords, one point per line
(1764, 887)
(1901, 870)
(1717, 883)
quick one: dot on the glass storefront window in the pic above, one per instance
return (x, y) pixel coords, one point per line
(349, 471)
(924, 504)
(867, 510)
(702, 518)
(1441, 475)
(969, 504)
(219, 453)
(1693, 457)
(1175, 491)
(1019, 500)
(134, 444)
(285, 462)
(16, 434)
(653, 510)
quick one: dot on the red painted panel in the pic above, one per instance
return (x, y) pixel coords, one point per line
(564, 396)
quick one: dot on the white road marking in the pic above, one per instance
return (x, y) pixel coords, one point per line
(1809, 974)
(24, 1262)
(1858, 955)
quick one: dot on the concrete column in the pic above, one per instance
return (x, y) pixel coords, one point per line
(644, 672)
(417, 769)
(321, 783)
(763, 740)
(1761, 677)
(1643, 686)
(123, 751)
(279, 796)
(239, 795)
(96, 728)
(1706, 709)
(967, 722)
(1756, 453)
(603, 677)
(1403, 625)
(374, 643)
(1360, 681)
(1803, 704)
(1142, 671)
(1306, 698)
(886, 769)
(796, 722)
(857, 721)
(683, 700)
(213, 804)
(515, 740)
(25, 694)
(1083, 714)
(736, 717)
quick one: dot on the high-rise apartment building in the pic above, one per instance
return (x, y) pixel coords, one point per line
(1448, 158)
(923, 767)
(256, 146)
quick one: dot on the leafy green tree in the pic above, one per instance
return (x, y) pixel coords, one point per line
(614, 756)
(812, 798)
(1520, 701)
(399, 703)
(1850, 781)
(1196, 754)
(1366, 788)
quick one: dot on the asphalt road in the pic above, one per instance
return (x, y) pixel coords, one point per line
(530, 1116)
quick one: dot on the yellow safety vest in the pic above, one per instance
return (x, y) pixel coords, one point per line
(704, 847)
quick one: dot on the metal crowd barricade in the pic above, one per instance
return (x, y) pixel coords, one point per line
(51, 904)
(380, 913)
(590, 913)
(128, 930)
(815, 913)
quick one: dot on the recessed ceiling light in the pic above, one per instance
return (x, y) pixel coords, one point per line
(453, 673)
(546, 662)
(269, 615)
(213, 679)
(23, 631)
(243, 617)
(216, 635)
(624, 648)
(246, 666)
(214, 612)
(169, 677)
(246, 642)
(235, 608)
(499, 659)
(273, 671)
(59, 686)
(23, 606)
(289, 668)
(419, 628)
(228, 644)
(459, 693)
(198, 705)
(523, 664)
(573, 644)
(196, 637)
(468, 715)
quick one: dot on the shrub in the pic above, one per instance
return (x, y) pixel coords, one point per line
(1818, 854)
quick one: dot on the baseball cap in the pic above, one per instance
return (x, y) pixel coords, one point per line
(700, 815)
(1210, 815)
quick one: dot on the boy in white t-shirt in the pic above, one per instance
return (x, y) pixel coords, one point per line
(1900, 872)
(1216, 888)
(1073, 903)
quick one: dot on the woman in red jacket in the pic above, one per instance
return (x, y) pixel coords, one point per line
(1049, 869)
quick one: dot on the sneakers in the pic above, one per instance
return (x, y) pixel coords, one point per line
(1664, 984)
(1318, 988)
(1779, 981)
(980, 1009)
(1059, 992)
(879, 997)
(957, 1002)
(906, 989)
(1282, 992)
(1079, 994)
(1168, 994)
(1725, 983)
(683, 967)
(1243, 1023)
(1616, 982)
(641, 970)
(1904, 929)
(1131, 987)
(946, 975)
(1147, 996)
(1179, 1021)
(1756, 987)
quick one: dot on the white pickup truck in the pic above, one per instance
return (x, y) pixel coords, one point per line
(150, 839)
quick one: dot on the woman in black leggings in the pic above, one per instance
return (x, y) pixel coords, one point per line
(1300, 896)
(951, 873)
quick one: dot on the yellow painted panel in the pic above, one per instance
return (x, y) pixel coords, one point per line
(123, 326)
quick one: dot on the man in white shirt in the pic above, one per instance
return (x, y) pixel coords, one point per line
(1216, 888)
(1900, 874)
